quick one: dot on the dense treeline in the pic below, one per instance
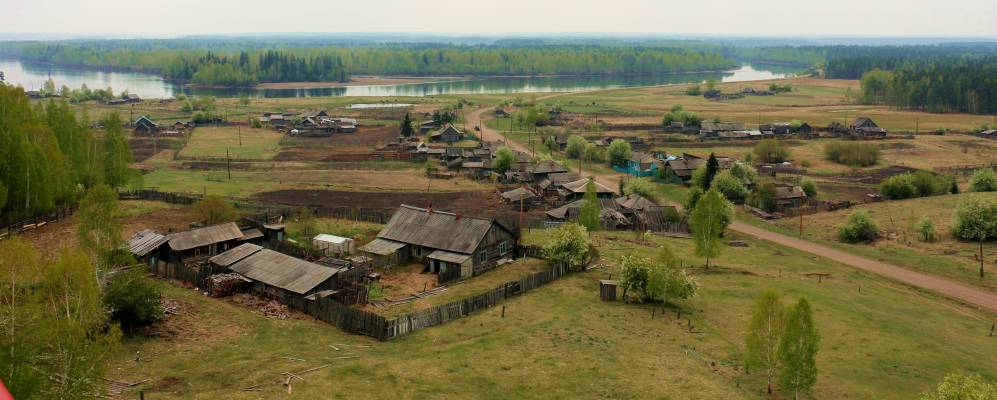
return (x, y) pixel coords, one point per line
(850, 62)
(337, 63)
(48, 156)
(963, 85)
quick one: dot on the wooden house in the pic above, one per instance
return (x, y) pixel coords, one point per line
(776, 128)
(451, 245)
(610, 216)
(521, 197)
(145, 126)
(836, 128)
(549, 185)
(866, 128)
(572, 191)
(447, 134)
(148, 246)
(710, 129)
(288, 279)
(642, 164)
(684, 167)
(428, 126)
(805, 129)
(789, 196)
(203, 242)
(541, 170)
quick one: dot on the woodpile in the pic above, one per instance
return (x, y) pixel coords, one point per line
(221, 285)
(269, 308)
(169, 306)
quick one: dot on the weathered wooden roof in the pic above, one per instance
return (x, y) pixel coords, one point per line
(235, 255)
(722, 126)
(204, 236)
(449, 257)
(864, 122)
(789, 192)
(436, 230)
(635, 202)
(251, 233)
(283, 271)
(548, 167)
(571, 210)
(382, 247)
(580, 185)
(518, 194)
(145, 241)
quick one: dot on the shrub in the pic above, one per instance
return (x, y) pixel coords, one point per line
(806, 163)
(213, 210)
(809, 187)
(575, 147)
(771, 151)
(744, 172)
(619, 152)
(898, 187)
(641, 186)
(928, 184)
(765, 196)
(692, 198)
(569, 244)
(984, 180)
(855, 154)
(926, 230)
(132, 299)
(694, 91)
(975, 219)
(730, 186)
(858, 228)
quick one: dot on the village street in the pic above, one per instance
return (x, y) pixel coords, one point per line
(954, 290)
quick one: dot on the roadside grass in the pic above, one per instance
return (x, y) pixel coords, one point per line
(213, 142)
(879, 339)
(949, 257)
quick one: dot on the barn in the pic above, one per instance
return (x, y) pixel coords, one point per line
(278, 275)
(203, 242)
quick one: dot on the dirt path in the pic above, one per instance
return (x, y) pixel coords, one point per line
(943, 286)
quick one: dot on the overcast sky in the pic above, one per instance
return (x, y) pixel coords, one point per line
(719, 17)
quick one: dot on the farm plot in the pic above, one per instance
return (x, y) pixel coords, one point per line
(240, 143)
(363, 141)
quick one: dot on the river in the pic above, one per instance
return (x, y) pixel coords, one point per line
(32, 76)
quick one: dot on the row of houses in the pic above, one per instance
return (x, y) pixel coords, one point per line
(309, 123)
(198, 244)
(145, 126)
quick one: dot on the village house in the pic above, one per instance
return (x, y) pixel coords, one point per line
(428, 126)
(866, 128)
(447, 134)
(776, 128)
(710, 129)
(684, 166)
(147, 246)
(805, 129)
(572, 191)
(642, 164)
(610, 216)
(521, 197)
(287, 279)
(788, 196)
(836, 128)
(145, 126)
(202, 242)
(541, 170)
(549, 185)
(451, 245)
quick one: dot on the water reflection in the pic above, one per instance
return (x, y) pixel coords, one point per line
(33, 75)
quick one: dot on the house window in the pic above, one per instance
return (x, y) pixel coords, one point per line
(483, 256)
(417, 250)
(502, 248)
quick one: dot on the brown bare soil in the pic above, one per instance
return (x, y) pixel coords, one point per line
(874, 176)
(363, 141)
(471, 203)
(142, 148)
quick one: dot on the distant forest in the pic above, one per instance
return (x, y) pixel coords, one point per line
(290, 64)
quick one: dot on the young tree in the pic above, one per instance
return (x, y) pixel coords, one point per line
(116, 155)
(768, 319)
(859, 227)
(692, 197)
(132, 299)
(503, 160)
(976, 219)
(212, 210)
(406, 126)
(798, 350)
(984, 180)
(430, 167)
(639, 186)
(569, 244)
(712, 214)
(575, 147)
(730, 186)
(771, 151)
(765, 197)
(588, 216)
(809, 187)
(619, 152)
(712, 168)
(99, 231)
(962, 387)
(659, 279)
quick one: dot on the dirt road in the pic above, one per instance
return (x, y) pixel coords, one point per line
(958, 291)
(954, 290)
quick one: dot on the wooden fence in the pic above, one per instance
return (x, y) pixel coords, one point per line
(36, 222)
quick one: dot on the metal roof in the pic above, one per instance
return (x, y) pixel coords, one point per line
(235, 255)
(436, 230)
(204, 236)
(448, 256)
(382, 247)
(283, 271)
(145, 241)
(324, 237)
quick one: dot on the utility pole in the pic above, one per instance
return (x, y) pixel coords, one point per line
(228, 165)
(240, 135)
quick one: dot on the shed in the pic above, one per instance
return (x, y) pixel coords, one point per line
(203, 242)
(147, 244)
(607, 290)
(332, 245)
(277, 274)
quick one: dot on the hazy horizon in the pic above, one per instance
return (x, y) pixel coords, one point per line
(62, 19)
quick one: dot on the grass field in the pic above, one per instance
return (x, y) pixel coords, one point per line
(948, 257)
(214, 141)
(361, 232)
(879, 340)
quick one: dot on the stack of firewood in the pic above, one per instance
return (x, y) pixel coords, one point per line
(221, 285)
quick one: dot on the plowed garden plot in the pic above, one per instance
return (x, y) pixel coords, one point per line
(483, 203)
(142, 147)
(363, 141)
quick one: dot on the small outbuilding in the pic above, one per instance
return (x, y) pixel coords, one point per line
(332, 245)
(203, 242)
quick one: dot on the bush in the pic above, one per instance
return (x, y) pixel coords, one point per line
(809, 187)
(765, 196)
(771, 151)
(619, 152)
(984, 180)
(640, 186)
(898, 187)
(569, 244)
(694, 91)
(928, 184)
(975, 219)
(213, 210)
(692, 198)
(730, 186)
(858, 228)
(744, 172)
(575, 147)
(926, 230)
(855, 154)
(133, 299)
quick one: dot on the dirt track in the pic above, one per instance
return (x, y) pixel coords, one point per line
(944, 286)
(958, 291)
